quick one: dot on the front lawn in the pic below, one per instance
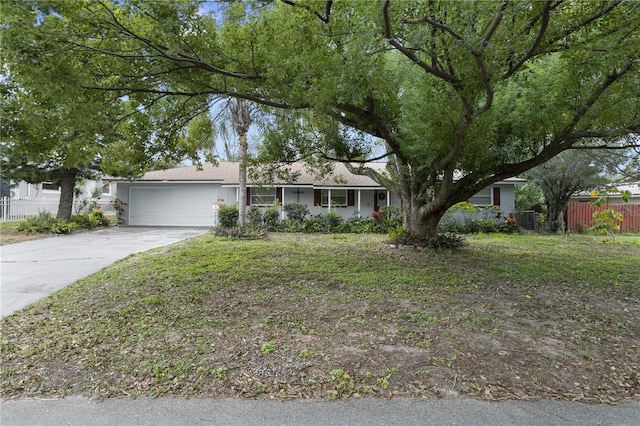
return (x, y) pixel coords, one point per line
(333, 316)
(9, 234)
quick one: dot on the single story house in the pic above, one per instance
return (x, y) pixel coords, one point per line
(189, 196)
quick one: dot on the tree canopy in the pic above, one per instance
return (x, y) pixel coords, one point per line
(561, 178)
(463, 94)
(55, 128)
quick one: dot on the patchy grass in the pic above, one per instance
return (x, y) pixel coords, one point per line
(9, 234)
(325, 316)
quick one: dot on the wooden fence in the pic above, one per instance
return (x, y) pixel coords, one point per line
(580, 216)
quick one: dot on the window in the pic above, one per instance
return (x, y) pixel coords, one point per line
(263, 196)
(49, 186)
(106, 188)
(338, 197)
(482, 198)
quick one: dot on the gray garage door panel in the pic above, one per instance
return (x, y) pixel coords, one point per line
(180, 205)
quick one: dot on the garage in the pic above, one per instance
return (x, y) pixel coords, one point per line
(172, 205)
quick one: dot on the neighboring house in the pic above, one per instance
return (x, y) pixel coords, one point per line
(581, 209)
(28, 199)
(613, 197)
(188, 196)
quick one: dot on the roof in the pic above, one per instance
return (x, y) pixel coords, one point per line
(226, 173)
(632, 187)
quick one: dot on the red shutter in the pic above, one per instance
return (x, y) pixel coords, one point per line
(279, 190)
(248, 195)
(351, 197)
(496, 196)
(317, 197)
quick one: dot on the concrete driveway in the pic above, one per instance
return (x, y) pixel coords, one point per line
(32, 270)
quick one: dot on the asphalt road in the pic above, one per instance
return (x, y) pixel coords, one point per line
(405, 412)
(32, 270)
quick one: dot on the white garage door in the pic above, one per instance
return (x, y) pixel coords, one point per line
(176, 205)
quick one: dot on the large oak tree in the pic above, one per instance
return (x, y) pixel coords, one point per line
(463, 94)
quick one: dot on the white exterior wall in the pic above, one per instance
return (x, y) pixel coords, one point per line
(507, 199)
(168, 204)
(194, 200)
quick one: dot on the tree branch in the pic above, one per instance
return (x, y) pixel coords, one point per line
(216, 92)
(544, 24)
(369, 116)
(612, 78)
(409, 54)
(327, 9)
(494, 25)
(586, 21)
(161, 51)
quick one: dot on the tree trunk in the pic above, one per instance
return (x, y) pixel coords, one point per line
(555, 216)
(67, 187)
(421, 220)
(242, 182)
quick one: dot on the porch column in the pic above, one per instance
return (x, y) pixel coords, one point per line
(388, 198)
(329, 201)
(281, 204)
(359, 201)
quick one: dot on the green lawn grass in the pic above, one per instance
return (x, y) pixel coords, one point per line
(507, 316)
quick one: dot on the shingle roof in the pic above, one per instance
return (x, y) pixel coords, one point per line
(227, 174)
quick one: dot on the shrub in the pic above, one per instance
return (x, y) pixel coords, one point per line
(228, 216)
(100, 217)
(444, 241)
(332, 221)
(296, 212)
(271, 218)
(254, 217)
(400, 235)
(393, 213)
(46, 222)
(324, 222)
(357, 225)
(510, 225)
(288, 225)
(92, 220)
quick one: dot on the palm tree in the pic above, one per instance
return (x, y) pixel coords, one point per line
(241, 114)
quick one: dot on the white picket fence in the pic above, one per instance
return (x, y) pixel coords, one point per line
(14, 210)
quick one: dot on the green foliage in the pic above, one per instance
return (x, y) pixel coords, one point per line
(439, 241)
(45, 222)
(228, 216)
(91, 220)
(254, 217)
(271, 218)
(444, 241)
(296, 212)
(268, 347)
(560, 178)
(528, 195)
(357, 225)
(607, 221)
(465, 218)
(327, 223)
(488, 91)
